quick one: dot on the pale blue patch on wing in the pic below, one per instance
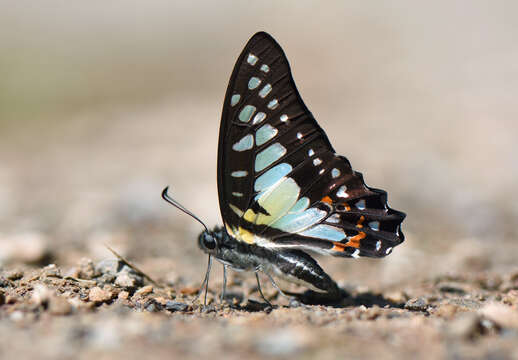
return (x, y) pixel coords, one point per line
(252, 59)
(360, 205)
(234, 99)
(237, 194)
(299, 222)
(374, 225)
(246, 113)
(239, 173)
(253, 82)
(265, 68)
(335, 173)
(300, 206)
(268, 156)
(273, 104)
(259, 117)
(265, 133)
(325, 232)
(273, 175)
(265, 90)
(246, 143)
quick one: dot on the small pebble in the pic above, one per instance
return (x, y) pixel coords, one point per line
(417, 304)
(4, 282)
(144, 290)
(86, 269)
(51, 270)
(98, 295)
(175, 306)
(152, 306)
(13, 275)
(123, 295)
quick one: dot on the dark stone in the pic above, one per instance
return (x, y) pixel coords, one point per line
(417, 304)
(174, 306)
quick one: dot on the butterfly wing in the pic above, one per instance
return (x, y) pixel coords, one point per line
(280, 182)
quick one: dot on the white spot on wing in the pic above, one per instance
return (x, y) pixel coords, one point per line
(237, 194)
(342, 192)
(356, 254)
(239, 173)
(378, 245)
(299, 135)
(265, 68)
(310, 151)
(273, 104)
(259, 117)
(317, 161)
(252, 59)
(284, 117)
(388, 251)
(335, 173)
(265, 90)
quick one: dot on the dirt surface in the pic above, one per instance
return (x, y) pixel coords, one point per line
(98, 309)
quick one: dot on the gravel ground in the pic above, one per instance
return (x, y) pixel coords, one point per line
(107, 310)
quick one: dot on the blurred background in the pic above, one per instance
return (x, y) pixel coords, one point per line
(103, 104)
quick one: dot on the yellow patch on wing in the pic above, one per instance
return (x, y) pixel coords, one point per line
(250, 216)
(245, 236)
(229, 230)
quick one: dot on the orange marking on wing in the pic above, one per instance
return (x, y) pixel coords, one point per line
(327, 199)
(355, 240)
(360, 221)
(338, 246)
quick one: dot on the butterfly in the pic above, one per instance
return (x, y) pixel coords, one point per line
(283, 191)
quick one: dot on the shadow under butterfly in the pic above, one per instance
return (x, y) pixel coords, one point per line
(283, 191)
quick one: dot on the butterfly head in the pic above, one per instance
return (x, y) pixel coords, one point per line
(207, 241)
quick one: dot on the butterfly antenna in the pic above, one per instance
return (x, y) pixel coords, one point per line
(180, 207)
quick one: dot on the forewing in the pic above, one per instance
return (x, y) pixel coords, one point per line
(280, 182)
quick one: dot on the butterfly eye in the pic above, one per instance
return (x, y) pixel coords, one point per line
(209, 242)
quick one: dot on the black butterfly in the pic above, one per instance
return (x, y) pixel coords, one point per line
(282, 188)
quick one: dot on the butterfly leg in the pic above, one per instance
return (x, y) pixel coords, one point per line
(260, 290)
(276, 286)
(223, 292)
(205, 283)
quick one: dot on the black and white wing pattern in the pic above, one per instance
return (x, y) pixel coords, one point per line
(280, 183)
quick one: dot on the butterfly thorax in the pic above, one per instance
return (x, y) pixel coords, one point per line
(292, 265)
